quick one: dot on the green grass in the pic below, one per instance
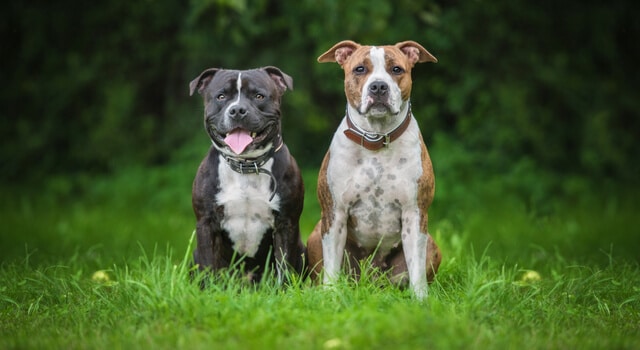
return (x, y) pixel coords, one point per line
(581, 238)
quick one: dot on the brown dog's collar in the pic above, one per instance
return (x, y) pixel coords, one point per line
(374, 141)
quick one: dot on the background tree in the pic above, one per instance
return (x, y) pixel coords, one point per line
(90, 87)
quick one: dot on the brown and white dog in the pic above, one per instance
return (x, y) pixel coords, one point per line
(376, 181)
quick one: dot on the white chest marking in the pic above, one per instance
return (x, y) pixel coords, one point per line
(248, 213)
(375, 189)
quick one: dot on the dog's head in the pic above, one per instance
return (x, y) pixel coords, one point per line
(377, 78)
(242, 108)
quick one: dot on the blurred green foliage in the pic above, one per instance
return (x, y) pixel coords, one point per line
(88, 87)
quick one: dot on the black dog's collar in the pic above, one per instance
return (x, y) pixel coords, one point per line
(255, 166)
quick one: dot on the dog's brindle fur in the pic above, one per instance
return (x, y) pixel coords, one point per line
(235, 215)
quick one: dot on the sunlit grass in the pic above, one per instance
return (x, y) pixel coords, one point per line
(476, 302)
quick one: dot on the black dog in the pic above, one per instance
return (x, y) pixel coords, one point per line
(248, 192)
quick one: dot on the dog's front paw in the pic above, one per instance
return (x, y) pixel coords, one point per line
(420, 292)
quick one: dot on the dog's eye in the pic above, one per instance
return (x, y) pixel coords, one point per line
(221, 97)
(359, 70)
(397, 70)
(259, 97)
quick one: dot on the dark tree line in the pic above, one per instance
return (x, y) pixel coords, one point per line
(91, 86)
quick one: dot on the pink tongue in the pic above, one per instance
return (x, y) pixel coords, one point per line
(238, 140)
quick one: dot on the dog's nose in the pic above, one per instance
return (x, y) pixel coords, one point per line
(378, 88)
(237, 112)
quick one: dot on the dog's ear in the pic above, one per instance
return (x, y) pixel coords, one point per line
(415, 52)
(340, 52)
(202, 81)
(282, 79)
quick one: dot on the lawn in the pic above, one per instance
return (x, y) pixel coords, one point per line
(531, 261)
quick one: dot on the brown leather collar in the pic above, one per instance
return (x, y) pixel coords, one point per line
(375, 141)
